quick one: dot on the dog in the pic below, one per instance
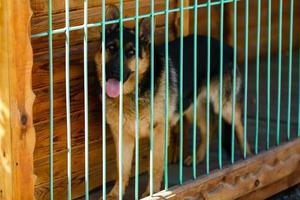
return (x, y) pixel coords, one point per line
(112, 63)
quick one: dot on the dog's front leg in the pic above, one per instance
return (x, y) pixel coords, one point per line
(158, 164)
(127, 153)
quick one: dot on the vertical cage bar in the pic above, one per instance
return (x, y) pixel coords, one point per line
(257, 75)
(279, 73)
(195, 90)
(136, 189)
(121, 104)
(246, 75)
(290, 70)
(208, 85)
(86, 104)
(269, 73)
(103, 104)
(166, 173)
(50, 49)
(67, 77)
(221, 86)
(234, 77)
(151, 95)
(181, 95)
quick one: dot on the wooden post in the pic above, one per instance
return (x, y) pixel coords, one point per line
(17, 136)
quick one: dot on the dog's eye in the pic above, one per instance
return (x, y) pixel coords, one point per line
(111, 47)
(130, 53)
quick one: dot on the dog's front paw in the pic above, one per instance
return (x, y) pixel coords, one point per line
(174, 155)
(146, 193)
(110, 197)
(188, 160)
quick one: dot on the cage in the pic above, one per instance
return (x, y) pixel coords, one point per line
(55, 144)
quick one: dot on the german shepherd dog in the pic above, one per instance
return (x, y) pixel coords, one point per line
(112, 62)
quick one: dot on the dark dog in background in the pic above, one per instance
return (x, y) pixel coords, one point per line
(112, 61)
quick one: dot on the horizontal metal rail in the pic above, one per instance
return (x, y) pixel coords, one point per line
(96, 24)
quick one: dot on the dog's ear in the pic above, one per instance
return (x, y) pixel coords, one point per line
(145, 29)
(111, 13)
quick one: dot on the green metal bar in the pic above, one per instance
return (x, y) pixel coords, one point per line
(67, 77)
(208, 86)
(234, 77)
(103, 104)
(166, 173)
(151, 96)
(96, 24)
(221, 86)
(279, 73)
(121, 104)
(86, 101)
(136, 101)
(269, 73)
(50, 48)
(246, 75)
(181, 96)
(257, 75)
(290, 70)
(195, 90)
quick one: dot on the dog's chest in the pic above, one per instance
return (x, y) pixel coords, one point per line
(129, 117)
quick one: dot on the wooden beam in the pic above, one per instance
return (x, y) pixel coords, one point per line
(242, 178)
(17, 137)
(275, 188)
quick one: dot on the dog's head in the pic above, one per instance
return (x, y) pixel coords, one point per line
(112, 54)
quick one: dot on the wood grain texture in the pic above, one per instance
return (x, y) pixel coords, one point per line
(40, 76)
(186, 19)
(16, 102)
(242, 178)
(6, 164)
(39, 23)
(275, 188)
(95, 169)
(264, 27)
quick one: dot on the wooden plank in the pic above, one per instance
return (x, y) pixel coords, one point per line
(40, 45)
(16, 99)
(202, 20)
(39, 24)
(95, 169)
(242, 178)
(275, 188)
(264, 27)
(5, 131)
(40, 7)
(60, 137)
(186, 19)
(41, 107)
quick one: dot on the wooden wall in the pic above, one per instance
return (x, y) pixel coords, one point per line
(228, 26)
(40, 80)
(264, 27)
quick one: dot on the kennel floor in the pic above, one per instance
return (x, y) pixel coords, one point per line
(251, 114)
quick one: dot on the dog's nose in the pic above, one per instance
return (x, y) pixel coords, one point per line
(114, 73)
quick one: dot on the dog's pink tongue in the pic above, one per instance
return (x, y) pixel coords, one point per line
(112, 88)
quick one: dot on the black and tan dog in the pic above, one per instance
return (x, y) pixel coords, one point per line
(112, 61)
